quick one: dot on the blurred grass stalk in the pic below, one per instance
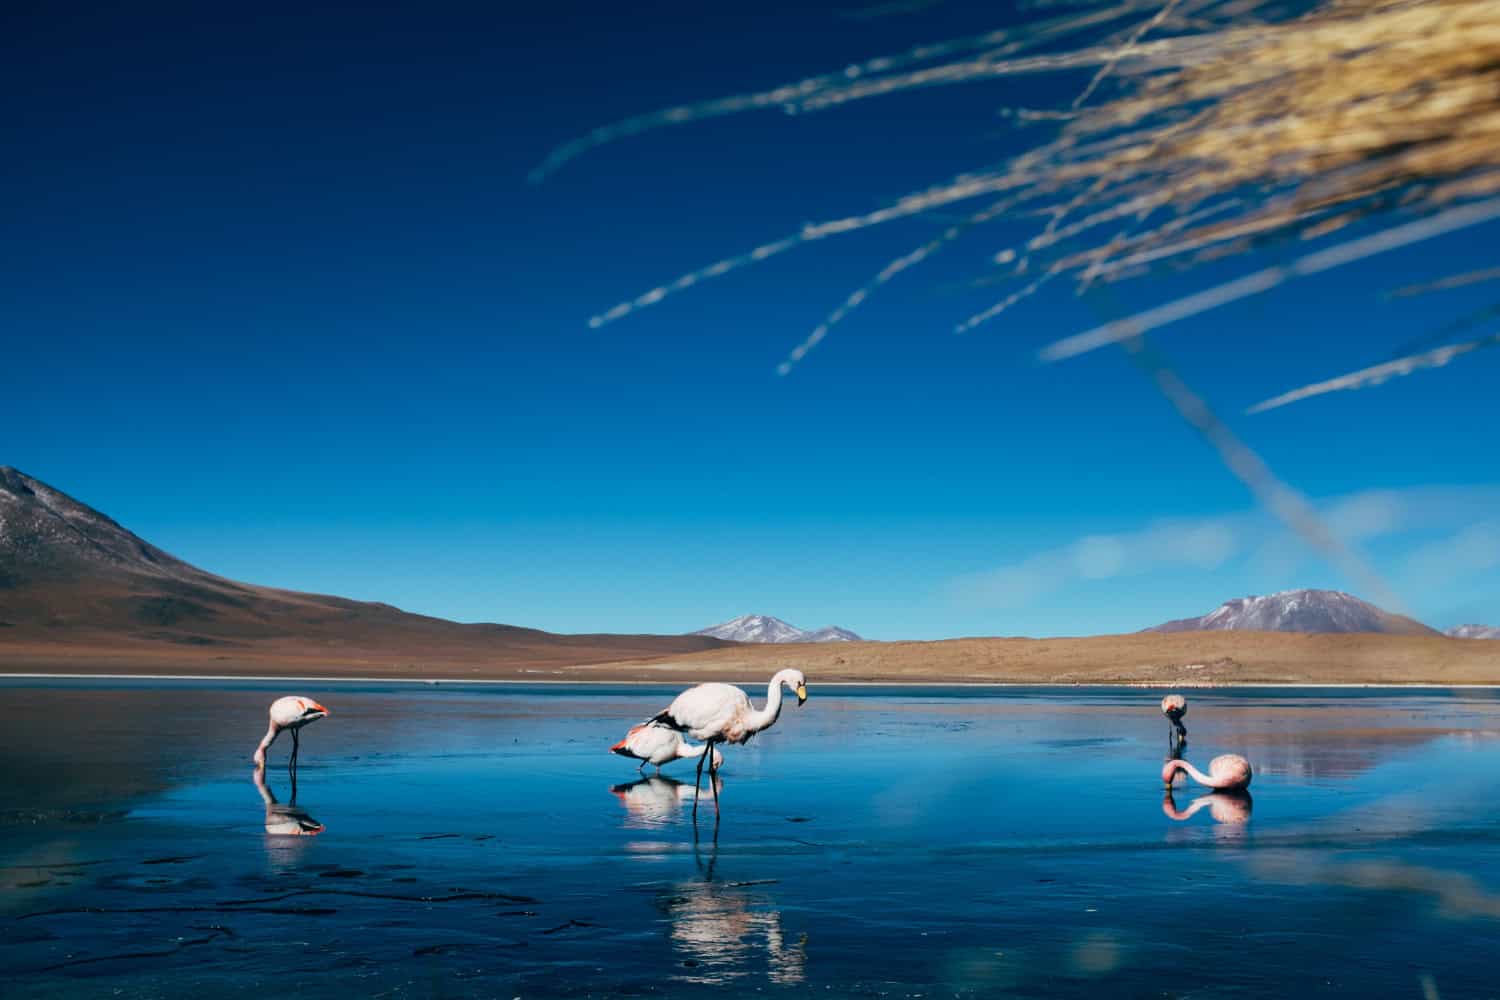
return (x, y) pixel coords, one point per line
(1206, 128)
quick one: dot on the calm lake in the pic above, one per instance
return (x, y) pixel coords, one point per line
(876, 842)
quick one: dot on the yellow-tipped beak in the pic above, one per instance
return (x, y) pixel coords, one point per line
(801, 693)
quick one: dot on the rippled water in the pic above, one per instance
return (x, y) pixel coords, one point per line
(468, 840)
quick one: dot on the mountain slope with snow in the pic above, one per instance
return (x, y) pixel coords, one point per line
(1474, 632)
(765, 628)
(1298, 611)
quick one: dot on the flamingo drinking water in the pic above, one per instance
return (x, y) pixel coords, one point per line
(1227, 772)
(654, 743)
(722, 713)
(292, 712)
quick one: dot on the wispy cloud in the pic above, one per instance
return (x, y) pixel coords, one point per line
(1440, 534)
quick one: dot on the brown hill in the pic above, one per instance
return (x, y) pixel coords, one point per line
(75, 582)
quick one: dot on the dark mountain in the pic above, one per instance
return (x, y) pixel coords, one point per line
(71, 575)
(1299, 611)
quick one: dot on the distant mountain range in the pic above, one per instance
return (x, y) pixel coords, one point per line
(70, 576)
(764, 628)
(1299, 611)
(1474, 632)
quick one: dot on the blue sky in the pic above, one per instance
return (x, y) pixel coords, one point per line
(280, 299)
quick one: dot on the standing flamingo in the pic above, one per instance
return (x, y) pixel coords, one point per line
(653, 743)
(722, 713)
(292, 712)
(1174, 707)
(1227, 772)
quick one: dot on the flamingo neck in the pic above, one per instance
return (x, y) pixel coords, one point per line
(766, 716)
(1193, 772)
(272, 731)
(689, 751)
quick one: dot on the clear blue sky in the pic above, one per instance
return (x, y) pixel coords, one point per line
(278, 297)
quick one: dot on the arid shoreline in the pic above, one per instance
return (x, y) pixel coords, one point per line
(1198, 659)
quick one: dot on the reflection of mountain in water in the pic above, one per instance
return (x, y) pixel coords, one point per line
(730, 933)
(1313, 754)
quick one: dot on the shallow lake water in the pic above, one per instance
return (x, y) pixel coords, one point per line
(479, 840)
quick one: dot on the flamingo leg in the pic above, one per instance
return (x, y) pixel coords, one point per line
(713, 778)
(698, 785)
(291, 763)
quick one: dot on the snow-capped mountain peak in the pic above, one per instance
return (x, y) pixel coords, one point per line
(765, 628)
(1474, 632)
(1298, 611)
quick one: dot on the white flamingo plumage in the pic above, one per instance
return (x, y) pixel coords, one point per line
(654, 743)
(722, 713)
(1227, 772)
(292, 712)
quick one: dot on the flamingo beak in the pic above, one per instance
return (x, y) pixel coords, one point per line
(801, 693)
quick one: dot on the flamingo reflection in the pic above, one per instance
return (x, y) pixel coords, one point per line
(1230, 808)
(657, 800)
(728, 931)
(289, 820)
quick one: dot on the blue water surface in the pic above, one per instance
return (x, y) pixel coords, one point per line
(479, 840)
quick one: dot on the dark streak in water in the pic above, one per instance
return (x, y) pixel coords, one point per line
(451, 898)
(570, 923)
(215, 932)
(450, 947)
(294, 911)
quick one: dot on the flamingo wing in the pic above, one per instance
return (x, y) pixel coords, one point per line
(706, 711)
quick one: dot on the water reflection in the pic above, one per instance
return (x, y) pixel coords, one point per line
(657, 800)
(289, 820)
(1456, 894)
(1230, 808)
(730, 931)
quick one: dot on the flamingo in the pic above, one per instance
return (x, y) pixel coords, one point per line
(722, 713)
(292, 712)
(1174, 707)
(1227, 772)
(651, 743)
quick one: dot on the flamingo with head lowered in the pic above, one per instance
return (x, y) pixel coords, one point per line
(722, 713)
(1174, 707)
(653, 743)
(292, 712)
(1227, 772)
